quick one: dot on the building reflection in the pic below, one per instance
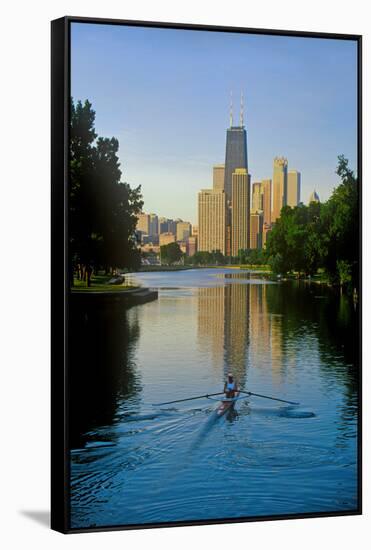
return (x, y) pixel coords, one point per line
(223, 327)
(237, 329)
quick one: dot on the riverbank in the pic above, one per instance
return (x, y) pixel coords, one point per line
(114, 296)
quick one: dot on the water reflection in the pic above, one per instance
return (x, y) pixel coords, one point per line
(269, 326)
(102, 372)
(292, 340)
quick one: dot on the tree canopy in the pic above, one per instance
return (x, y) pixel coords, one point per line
(321, 235)
(170, 253)
(102, 209)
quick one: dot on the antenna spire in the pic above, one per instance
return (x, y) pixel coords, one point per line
(231, 111)
(241, 110)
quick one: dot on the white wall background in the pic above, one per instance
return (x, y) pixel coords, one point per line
(24, 249)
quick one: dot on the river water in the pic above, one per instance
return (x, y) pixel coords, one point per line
(135, 463)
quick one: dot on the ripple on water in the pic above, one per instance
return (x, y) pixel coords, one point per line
(273, 455)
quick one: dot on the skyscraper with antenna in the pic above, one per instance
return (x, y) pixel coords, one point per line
(235, 161)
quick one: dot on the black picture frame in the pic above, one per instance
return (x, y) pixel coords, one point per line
(60, 94)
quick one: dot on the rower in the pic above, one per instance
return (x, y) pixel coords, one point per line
(230, 386)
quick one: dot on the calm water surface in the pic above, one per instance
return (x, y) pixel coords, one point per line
(132, 462)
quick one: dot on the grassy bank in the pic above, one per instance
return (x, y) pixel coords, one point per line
(99, 283)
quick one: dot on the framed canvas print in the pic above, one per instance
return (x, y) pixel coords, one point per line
(206, 281)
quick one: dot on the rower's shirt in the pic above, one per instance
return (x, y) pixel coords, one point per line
(231, 386)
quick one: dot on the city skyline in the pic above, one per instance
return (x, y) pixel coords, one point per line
(167, 110)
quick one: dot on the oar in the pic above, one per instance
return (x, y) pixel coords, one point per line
(187, 399)
(268, 397)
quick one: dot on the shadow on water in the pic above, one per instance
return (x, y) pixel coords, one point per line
(101, 369)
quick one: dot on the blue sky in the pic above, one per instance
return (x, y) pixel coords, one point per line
(165, 95)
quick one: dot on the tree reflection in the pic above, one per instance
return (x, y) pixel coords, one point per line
(101, 368)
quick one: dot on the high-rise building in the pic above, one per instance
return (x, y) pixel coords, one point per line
(314, 197)
(256, 229)
(218, 177)
(163, 225)
(266, 186)
(211, 220)
(279, 186)
(153, 225)
(171, 226)
(293, 188)
(240, 209)
(143, 223)
(166, 238)
(191, 246)
(183, 231)
(194, 230)
(257, 197)
(235, 155)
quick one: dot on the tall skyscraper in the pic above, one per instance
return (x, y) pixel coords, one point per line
(279, 186)
(171, 226)
(143, 223)
(240, 230)
(235, 155)
(266, 186)
(218, 177)
(293, 188)
(163, 226)
(257, 197)
(211, 220)
(191, 246)
(314, 197)
(183, 231)
(256, 229)
(153, 225)
(262, 199)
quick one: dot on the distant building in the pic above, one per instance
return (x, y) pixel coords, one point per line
(256, 229)
(191, 246)
(314, 197)
(235, 155)
(171, 226)
(183, 231)
(153, 226)
(151, 248)
(163, 225)
(194, 230)
(266, 186)
(218, 177)
(143, 223)
(166, 238)
(293, 188)
(279, 186)
(212, 206)
(257, 197)
(240, 230)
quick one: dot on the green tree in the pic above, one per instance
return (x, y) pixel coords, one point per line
(202, 258)
(170, 253)
(324, 235)
(102, 209)
(340, 227)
